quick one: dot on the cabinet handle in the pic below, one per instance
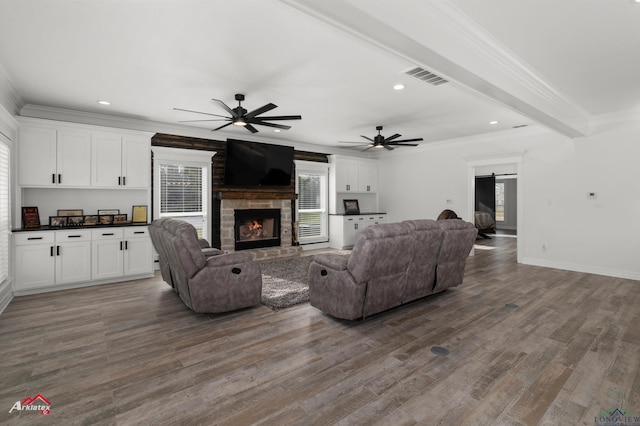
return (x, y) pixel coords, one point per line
(51, 251)
(356, 226)
(348, 187)
(368, 188)
(138, 232)
(57, 250)
(53, 178)
(110, 233)
(120, 245)
(74, 236)
(59, 178)
(34, 238)
(126, 245)
(124, 180)
(119, 180)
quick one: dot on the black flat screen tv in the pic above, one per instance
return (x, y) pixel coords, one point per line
(257, 164)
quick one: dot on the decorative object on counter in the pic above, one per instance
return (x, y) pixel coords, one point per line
(58, 221)
(30, 217)
(90, 220)
(139, 214)
(351, 207)
(108, 211)
(120, 219)
(106, 219)
(75, 220)
(71, 212)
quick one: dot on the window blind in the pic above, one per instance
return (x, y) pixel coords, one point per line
(180, 189)
(5, 218)
(312, 217)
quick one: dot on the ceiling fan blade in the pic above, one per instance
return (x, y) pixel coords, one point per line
(250, 128)
(388, 147)
(264, 108)
(226, 108)
(221, 127)
(360, 143)
(367, 138)
(262, 123)
(409, 140)
(280, 117)
(401, 144)
(367, 149)
(195, 121)
(390, 138)
(198, 112)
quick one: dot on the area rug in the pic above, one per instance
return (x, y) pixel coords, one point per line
(285, 282)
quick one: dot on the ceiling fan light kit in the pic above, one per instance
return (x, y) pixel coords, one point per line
(241, 118)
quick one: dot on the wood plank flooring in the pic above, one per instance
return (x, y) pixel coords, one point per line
(132, 353)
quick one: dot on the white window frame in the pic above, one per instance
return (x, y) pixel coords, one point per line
(320, 168)
(5, 214)
(185, 157)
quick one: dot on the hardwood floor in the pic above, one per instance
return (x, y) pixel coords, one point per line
(132, 353)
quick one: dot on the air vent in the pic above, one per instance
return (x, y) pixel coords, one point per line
(520, 125)
(426, 76)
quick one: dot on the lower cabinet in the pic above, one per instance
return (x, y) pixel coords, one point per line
(345, 230)
(45, 260)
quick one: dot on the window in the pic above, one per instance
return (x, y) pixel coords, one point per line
(182, 186)
(499, 201)
(311, 184)
(5, 217)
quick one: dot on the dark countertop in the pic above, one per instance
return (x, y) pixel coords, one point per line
(67, 228)
(359, 214)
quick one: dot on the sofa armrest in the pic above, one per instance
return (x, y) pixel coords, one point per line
(229, 259)
(337, 262)
(203, 243)
(211, 251)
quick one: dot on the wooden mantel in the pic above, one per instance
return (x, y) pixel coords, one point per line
(255, 195)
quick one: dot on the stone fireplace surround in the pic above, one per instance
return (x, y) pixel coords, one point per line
(227, 238)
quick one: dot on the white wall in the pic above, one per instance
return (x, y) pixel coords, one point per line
(560, 227)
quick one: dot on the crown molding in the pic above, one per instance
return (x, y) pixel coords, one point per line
(10, 99)
(450, 44)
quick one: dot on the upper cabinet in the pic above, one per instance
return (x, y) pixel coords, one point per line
(120, 161)
(355, 175)
(50, 157)
(56, 154)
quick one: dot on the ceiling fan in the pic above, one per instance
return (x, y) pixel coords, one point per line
(389, 143)
(240, 116)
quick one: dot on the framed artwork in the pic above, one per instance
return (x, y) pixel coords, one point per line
(139, 214)
(57, 221)
(120, 218)
(351, 207)
(75, 220)
(108, 211)
(90, 220)
(105, 219)
(30, 217)
(71, 212)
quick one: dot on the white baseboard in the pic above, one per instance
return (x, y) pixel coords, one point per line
(629, 275)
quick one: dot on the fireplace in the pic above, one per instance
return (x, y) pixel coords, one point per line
(256, 228)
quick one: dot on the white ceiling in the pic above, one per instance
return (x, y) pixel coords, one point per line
(556, 63)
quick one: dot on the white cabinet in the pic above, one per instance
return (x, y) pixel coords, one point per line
(48, 258)
(345, 230)
(121, 252)
(50, 157)
(45, 260)
(355, 175)
(120, 161)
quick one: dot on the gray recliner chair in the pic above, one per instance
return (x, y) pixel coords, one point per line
(206, 284)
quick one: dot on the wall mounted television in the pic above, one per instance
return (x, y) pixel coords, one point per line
(257, 164)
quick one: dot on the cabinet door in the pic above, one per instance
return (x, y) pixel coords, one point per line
(138, 256)
(73, 158)
(350, 231)
(367, 177)
(107, 260)
(106, 160)
(73, 262)
(37, 157)
(34, 266)
(346, 175)
(136, 162)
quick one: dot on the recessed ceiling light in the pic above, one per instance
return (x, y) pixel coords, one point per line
(104, 102)
(493, 122)
(398, 86)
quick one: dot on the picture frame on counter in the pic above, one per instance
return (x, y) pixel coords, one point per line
(351, 207)
(75, 220)
(71, 212)
(105, 219)
(90, 220)
(108, 211)
(139, 214)
(58, 221)
(119, 219)
(30, 218)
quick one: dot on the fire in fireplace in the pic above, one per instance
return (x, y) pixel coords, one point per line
(256, 228)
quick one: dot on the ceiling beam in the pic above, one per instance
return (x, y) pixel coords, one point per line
(439, 37)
